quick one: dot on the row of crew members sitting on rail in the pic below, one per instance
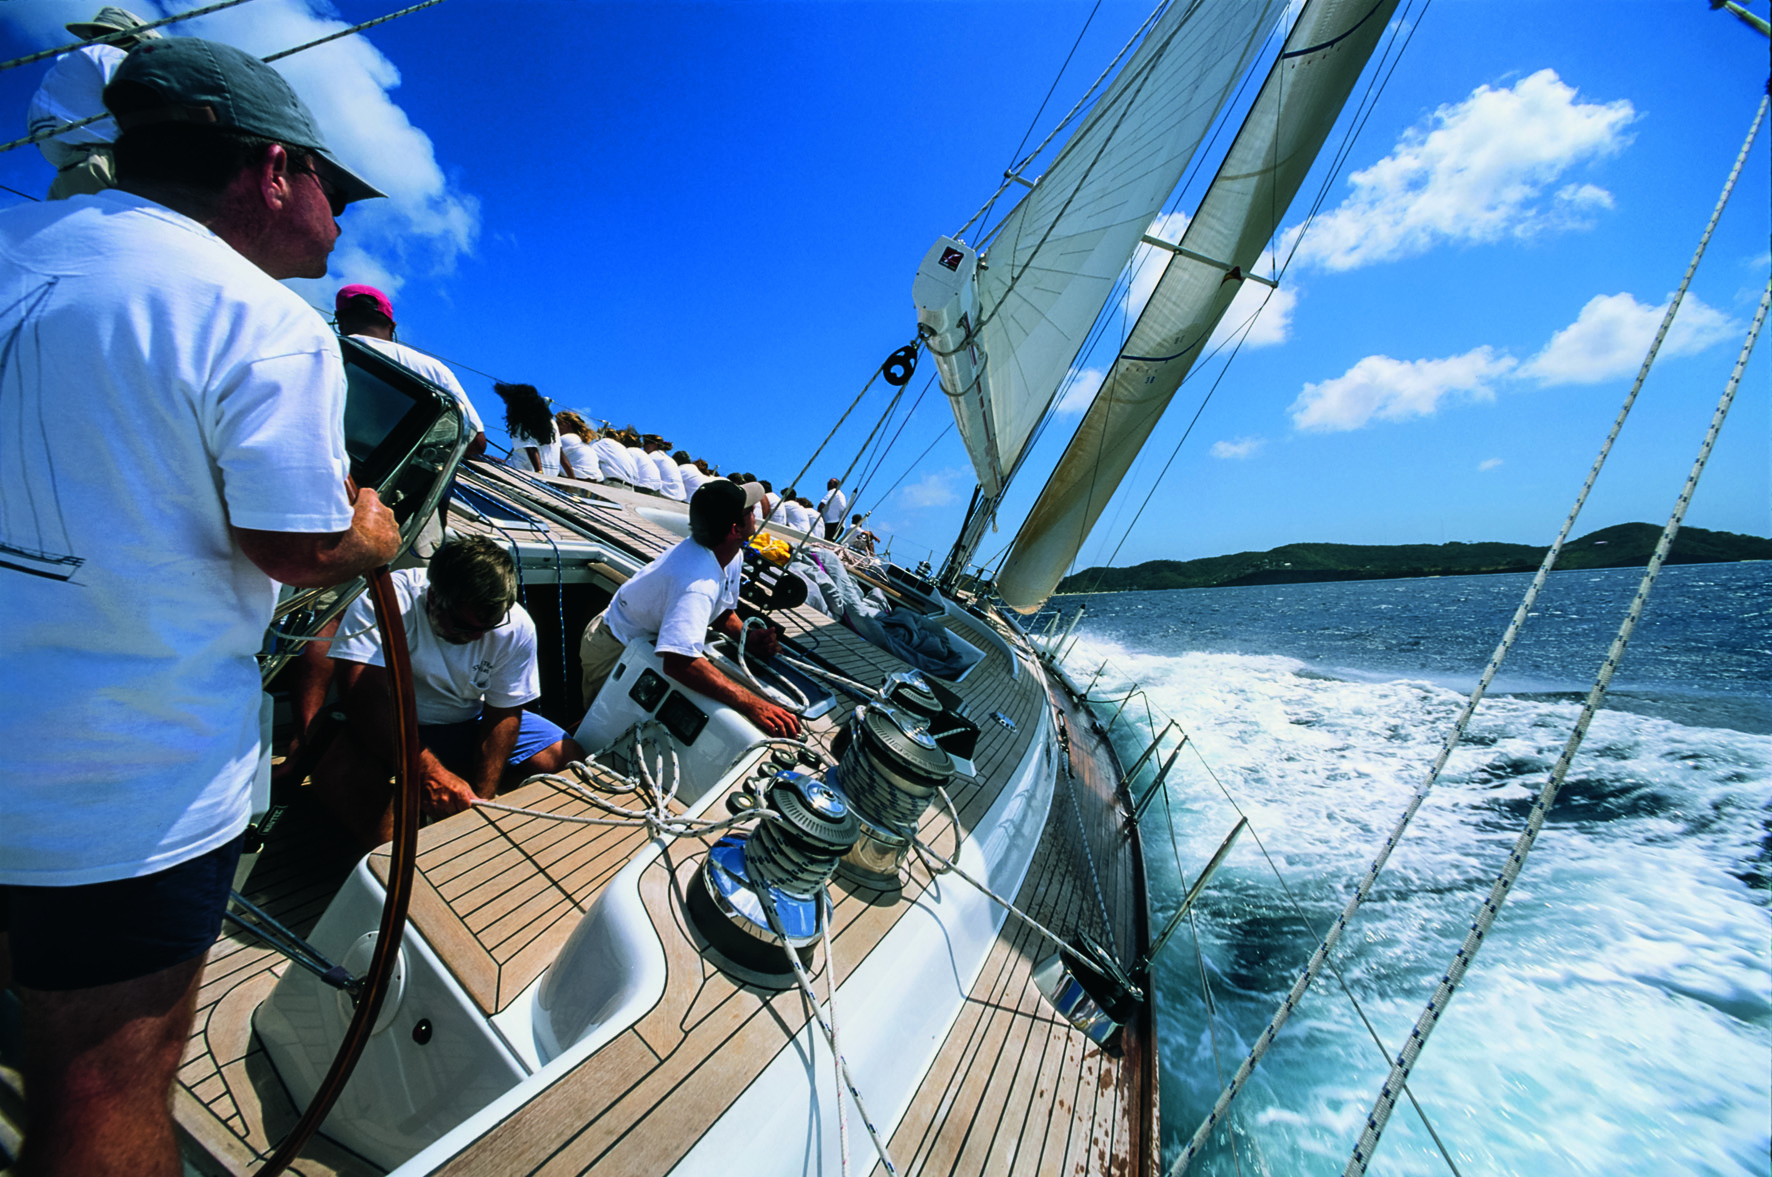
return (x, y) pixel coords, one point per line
(474, 669)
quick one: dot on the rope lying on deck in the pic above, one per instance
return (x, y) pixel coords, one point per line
(1314, 968)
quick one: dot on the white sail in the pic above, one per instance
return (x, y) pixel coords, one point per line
(1273, 152)
(1054, 260)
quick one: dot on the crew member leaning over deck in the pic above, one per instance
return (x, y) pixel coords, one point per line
(170, 451)
(674, 601)
(473, 669)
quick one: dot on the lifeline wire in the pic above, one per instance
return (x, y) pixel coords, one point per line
(1501, 651)
(119, 35)
(1485, 919)
(64, 128)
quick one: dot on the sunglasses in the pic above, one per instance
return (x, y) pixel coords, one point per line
(454, 620)
(335, 199)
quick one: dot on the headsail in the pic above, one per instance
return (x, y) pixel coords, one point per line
(1292, 117)
(1005, 336)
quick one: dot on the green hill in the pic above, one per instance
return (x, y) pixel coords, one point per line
(1627, 545)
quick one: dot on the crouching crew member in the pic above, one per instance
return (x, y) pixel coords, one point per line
(473, 669)
(674, 601)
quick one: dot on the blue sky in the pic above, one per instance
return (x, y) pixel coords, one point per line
(704, 219)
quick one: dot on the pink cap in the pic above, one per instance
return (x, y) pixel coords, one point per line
(358, 290)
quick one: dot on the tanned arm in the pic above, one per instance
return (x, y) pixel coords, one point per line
(323, 559)
(698, 674)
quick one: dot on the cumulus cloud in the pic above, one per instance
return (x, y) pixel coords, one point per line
(1488, 464)
(935, 490)
(1477, 171)
(1242, 447)
(1271, 310)
(1079, 392)
(424, 226)
(1612, 335)
(1394, 390)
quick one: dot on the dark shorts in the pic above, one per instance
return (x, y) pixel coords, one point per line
(457, 745)
(103, 933)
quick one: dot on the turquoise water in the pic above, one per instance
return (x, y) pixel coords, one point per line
(1619, 1018)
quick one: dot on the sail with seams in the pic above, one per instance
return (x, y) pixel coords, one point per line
(1268, 161)
(1004, 327)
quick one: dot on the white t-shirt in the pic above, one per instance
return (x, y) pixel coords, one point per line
(693, 480)
(672, 601)
(645, 472)
(449, 681)
(800, 518)
(549, 450)
(778, 508)
(431, 368)
(669, 481)
(583, 459)
(72, 90)
(615, 461)
(832, 506)
(157, 387)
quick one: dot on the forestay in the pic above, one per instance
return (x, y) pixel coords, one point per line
(1056, 257)
(1266, 164)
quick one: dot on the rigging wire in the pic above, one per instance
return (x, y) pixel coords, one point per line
(1314, 968)
(984, 214)
(1375, 90)
(120, 35)
(64, 128)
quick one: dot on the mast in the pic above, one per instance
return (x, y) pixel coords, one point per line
(1267, 162)
(1005, 324)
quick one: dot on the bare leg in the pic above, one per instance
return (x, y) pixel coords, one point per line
(354, 784)
(310, 678)
(553, 758)
(99, 1065)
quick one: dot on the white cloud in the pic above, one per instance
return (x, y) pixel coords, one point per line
(1079, 392)
(1393, 390)
(1613, 332)
(1273, 326)
(935, 490)
(1242, 447)
(423, 226)
(1488, 464)
(1477, 171)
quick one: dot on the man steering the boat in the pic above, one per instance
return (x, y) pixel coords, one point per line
(473, 668)
(673, 603)
(172, 426)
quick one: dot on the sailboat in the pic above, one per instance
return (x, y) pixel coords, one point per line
(940, 968)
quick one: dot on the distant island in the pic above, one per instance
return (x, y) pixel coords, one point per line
(1627, 545)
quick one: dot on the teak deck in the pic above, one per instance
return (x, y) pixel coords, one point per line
(1012, 1089)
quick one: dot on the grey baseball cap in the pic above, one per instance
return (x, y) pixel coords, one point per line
(211, 84)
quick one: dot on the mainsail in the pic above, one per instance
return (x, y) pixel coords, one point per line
(1279, 141)
(1005, 328)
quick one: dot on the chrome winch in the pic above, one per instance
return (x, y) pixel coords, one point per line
(785, 861)
(890, 771)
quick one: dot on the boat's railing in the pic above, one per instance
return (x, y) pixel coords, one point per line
(1167, 775)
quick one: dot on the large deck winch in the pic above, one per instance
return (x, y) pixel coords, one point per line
(890, 769)
(785, 862)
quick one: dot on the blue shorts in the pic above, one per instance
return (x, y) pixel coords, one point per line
(457, 745)
(102, 933)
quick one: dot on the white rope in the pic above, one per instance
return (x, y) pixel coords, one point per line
(830, 1032)
(831, 676)
(1498, 893)
(830, 1000)
(1318, 958)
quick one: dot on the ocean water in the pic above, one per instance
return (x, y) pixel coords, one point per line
(1619, 1018)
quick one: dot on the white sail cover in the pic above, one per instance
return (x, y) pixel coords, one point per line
(1274, 150)
(1056, 257)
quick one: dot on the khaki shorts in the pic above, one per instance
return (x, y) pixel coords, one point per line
(598, 652)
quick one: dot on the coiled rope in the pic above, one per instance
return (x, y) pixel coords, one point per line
(1321, 955)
